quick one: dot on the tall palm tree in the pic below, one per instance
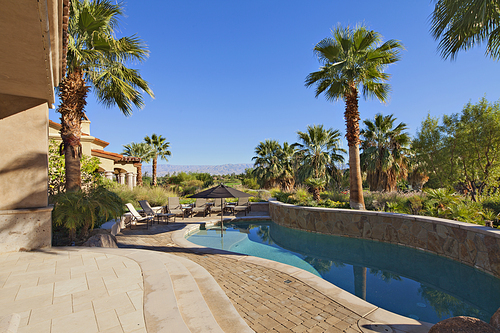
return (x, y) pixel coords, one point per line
(462, 24)
(319, 150)
(97, 58)
(288, 164)
(266, 163)
(385, 150)
(353, 59)
(159, 146)
(141, 150)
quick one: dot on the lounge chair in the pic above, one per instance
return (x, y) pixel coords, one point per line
(200, 206)
(146, 207)
(243, 205)
(174, 207)
(137, 217)
(218, 206)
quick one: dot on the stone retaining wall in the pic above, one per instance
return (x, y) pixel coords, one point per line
(470, 244)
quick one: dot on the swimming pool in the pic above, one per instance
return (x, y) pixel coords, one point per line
(403, 280)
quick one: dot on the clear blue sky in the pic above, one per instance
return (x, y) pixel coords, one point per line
(229, 74)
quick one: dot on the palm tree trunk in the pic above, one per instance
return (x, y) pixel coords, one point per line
(139, 175)
(351, 115)
(154, 171)
(72, 92)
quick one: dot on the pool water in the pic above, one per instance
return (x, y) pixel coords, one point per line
(406, 281)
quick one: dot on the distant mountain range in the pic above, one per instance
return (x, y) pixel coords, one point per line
(224, 169)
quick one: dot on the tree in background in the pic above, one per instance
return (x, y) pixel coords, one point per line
(319, 150)
(159, 147)
(463, 24)
(353, 59)
(266, 163)
(141, 150)
(97, 58)
(384, 156)
(464, 152)
(275, 165)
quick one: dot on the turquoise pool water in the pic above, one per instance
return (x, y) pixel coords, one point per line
(409, 282)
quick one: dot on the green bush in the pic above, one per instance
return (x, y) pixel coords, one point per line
(81, 210)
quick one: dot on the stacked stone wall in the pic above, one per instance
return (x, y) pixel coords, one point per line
(471, 244)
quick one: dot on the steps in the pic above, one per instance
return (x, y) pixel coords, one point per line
(180, 295)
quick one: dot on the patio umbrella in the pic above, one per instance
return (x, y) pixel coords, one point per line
(221, 191)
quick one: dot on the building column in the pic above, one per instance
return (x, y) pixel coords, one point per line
(108, 175)
(130, 180)
(135, 179)
(121, 178)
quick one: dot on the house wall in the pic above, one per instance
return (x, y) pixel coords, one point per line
(25, 217)
(471, 244)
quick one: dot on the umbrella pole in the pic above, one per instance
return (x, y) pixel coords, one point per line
(221, 217)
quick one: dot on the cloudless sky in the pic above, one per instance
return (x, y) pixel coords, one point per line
(229, 74)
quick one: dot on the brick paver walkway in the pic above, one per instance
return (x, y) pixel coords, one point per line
(268, 300)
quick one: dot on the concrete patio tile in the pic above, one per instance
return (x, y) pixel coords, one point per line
(79, 322)
(116, 301)
(66, 264)
(42, 327)
(9, 294)
(41, 289)
(80, 270)
(107, 320)
(140, 330)
(21, 279)
(125, 309)
(116, 329)
(90, 295)
(95, 283)
(132, 321)
(25, 304)
(41, 267)
(50, 312)
(101, 272)
(55, 277)
(71, 286)
(136, 297)
(82, 306)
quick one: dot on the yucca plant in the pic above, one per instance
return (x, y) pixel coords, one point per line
(80, 209)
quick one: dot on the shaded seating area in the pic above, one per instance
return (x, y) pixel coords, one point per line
(149, 211)
(174, 207)
(201, 206)
(243, 205)
(218, 206)
(137, 218)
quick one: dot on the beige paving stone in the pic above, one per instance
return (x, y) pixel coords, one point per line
(25, 304)
(55, 277)
(9, 294)
(52, 311)
(110, 302)
(41, 289)
(116, 329)
(71, 286)
(79, 322)
(136, 297)
(107, 320)
(82, 306)
(132, 321)
(90, 295)
(41, 327)
(21, 279)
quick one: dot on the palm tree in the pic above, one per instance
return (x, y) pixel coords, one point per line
(353, 59)
(141, 150)
(97, 58)
(462, 24)
(319, 150)
(385, 150)
(266, 163)
(287, 166)
(159, 148)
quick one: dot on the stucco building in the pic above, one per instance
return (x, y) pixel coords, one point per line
(32, 64)
(117, 167)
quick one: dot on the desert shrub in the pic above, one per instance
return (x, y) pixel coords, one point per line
(156, 196)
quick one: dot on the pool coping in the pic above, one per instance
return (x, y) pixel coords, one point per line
(370, 314)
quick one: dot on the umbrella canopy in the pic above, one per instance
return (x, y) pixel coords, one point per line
(220, 191)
